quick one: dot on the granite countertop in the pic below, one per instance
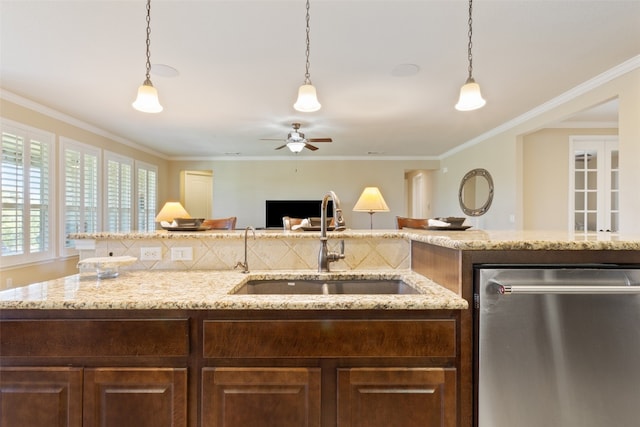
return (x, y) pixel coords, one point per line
(210, 290)
(471, 239)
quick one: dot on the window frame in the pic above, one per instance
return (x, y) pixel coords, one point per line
(148, 167)
(122, 161)
(29, 134)
(85, 149)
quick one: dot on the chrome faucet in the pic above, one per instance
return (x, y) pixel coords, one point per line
(325, 256)
(245, 264)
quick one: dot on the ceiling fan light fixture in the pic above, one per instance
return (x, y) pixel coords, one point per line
(295, 136)
(470, 97)
(307, 101)
(296, 147)
(147, 99)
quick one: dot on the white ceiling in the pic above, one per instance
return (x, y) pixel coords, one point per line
(240, 63)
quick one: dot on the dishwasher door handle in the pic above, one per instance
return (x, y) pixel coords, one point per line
(566, 289)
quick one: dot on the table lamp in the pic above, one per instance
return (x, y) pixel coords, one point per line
(171, 211)
(371, 201)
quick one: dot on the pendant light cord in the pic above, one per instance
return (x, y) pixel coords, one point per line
(148, 42)
(470, 56)
(307, 76)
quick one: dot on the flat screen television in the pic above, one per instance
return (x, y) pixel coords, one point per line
(276, 209)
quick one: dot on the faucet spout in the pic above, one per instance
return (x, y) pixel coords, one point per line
(325, 256)
(245, 264)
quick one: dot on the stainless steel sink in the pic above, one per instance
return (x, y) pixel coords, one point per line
(326, 287)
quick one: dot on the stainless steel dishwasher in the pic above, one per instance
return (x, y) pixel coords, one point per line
(557, 346)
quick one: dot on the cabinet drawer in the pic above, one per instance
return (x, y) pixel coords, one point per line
(330, 338)
(94, 338)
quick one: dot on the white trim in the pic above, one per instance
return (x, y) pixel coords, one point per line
(583, 125)
(83, 148)
(293, 157)
(138, 166)
(121, 160)
(47, 111)
(30, 133)
(567, 96)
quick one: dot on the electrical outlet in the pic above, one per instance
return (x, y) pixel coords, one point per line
(182, 254)
(151, 254)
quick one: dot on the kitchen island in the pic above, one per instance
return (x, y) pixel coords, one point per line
(158, 347)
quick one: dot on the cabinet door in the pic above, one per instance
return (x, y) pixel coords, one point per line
(265, 397)
(396, 397)
(136, 397)
(41, 397)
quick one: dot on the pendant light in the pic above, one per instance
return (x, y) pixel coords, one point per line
(307, 101)
(470, 96)
(147, 99)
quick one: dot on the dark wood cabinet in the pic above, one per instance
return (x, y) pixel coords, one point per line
(135, 397)
(93, 397)
(40, 397)
(224, 368)
(266, 397)
(374, 372)
(397, 397)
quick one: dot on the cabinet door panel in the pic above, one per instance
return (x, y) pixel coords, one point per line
(41, 397)
(396, 397)
(265, 397)
(154, 397)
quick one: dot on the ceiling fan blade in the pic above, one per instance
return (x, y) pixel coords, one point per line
(271, 139)
(319, 140)
(281, 147)
(310, 147)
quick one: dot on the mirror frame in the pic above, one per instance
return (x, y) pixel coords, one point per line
(485, 207)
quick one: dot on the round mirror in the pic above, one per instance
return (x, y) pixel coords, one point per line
(476, 192)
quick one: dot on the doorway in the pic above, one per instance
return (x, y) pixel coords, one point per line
(196, 192)
(418, 193)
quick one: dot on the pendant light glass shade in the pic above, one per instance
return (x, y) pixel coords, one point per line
(296, 147)
(307, 101)
(470, 97)
(147, 99)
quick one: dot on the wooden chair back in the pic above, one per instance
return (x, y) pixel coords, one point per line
(220, 223)
(403, 222)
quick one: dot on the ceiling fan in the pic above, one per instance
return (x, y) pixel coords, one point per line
(296, 141)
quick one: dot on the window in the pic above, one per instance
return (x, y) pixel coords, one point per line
(81, 173)
(146, 196)
(118, 193)
(27, 183)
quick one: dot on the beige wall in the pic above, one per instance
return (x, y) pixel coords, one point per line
(546, 177)
(60, 126)
(240, 188)
(502, 155)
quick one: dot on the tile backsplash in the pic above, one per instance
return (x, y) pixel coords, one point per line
(262, 254)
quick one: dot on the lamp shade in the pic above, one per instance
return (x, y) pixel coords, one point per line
(371, 200)
(171, 211)
(470, 97)
(147, 99)
(307, 101)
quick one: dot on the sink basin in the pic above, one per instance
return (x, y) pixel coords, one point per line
(326, 287)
